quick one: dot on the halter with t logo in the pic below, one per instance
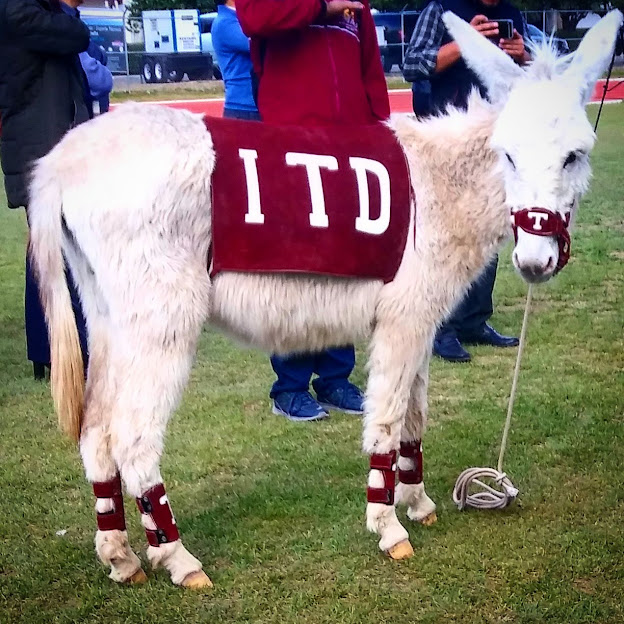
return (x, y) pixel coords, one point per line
(543, 222)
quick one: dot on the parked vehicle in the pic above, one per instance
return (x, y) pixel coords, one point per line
(107, 30)
(173, 47)
(394, 31)
(205, 23)
(534, 34)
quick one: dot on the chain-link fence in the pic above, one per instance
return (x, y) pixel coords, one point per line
(123, 37)
(394, 30)
(568, 25)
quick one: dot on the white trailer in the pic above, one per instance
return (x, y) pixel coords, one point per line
(173, 47)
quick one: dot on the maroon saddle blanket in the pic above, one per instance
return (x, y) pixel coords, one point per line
(329, 200)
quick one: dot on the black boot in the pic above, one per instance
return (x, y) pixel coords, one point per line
(448, 347)
(39, 370)
(487, 335)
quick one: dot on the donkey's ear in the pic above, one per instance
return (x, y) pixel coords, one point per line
(495, 69)
(593, 55)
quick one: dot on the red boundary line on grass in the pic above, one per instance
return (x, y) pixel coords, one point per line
(400, 100)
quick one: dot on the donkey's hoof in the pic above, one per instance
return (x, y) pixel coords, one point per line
(432, 518)
(197, 580)
(138, 578)
(402, 550)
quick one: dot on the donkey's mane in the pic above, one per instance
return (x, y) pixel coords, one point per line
(546, 63)
(450, 131)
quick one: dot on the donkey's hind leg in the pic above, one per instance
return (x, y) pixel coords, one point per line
(152, 361)
(411, 488)
(145, 401)
(111, 539)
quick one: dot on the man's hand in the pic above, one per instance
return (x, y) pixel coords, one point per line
(338, 7)
(514, 47)
(484, 26)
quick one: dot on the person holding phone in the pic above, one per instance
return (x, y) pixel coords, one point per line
(433, 56)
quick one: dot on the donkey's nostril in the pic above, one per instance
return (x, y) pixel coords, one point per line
(550, 265)
(536, 271)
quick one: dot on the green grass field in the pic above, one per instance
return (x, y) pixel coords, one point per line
(275, 510)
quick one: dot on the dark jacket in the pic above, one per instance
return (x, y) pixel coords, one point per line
(453, 85)
(313, 71)
(41, 88)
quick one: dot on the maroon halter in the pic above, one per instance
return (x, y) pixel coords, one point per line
(543, 222)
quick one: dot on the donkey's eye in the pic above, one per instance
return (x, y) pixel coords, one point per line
(510, 159)
(572, 156)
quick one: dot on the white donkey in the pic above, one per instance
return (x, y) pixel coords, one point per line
(138, 252)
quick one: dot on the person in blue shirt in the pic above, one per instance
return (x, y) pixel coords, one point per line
(103, 87)
(97, 78)
(231, 46)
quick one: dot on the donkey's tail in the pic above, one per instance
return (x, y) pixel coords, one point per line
(45, 248)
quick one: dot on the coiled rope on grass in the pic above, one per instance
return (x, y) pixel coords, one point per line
(489, 497)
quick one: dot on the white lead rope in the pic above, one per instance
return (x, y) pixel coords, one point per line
(489, 497)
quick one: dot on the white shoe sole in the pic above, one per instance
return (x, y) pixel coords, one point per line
(334, 408)
(279, 412)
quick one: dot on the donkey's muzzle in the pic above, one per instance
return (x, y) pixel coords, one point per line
(535, 272)
(543, 222)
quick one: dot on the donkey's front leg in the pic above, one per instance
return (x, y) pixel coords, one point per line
(411, 488)
(392, 370)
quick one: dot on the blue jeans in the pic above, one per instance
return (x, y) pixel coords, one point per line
(475, 309)
(233, 113)
(294, 372)
(333, 366)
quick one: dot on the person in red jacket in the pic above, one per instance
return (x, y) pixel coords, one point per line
(316, 63)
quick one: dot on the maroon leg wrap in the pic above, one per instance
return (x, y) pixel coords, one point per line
(414, 475)
(154, 504)
(114, 520)
(386, 463)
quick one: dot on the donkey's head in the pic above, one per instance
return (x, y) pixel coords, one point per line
(542, 135)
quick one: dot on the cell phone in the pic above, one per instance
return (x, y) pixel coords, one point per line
(505, 28)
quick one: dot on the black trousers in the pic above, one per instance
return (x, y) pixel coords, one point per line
(37, 341)
(476, 308)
